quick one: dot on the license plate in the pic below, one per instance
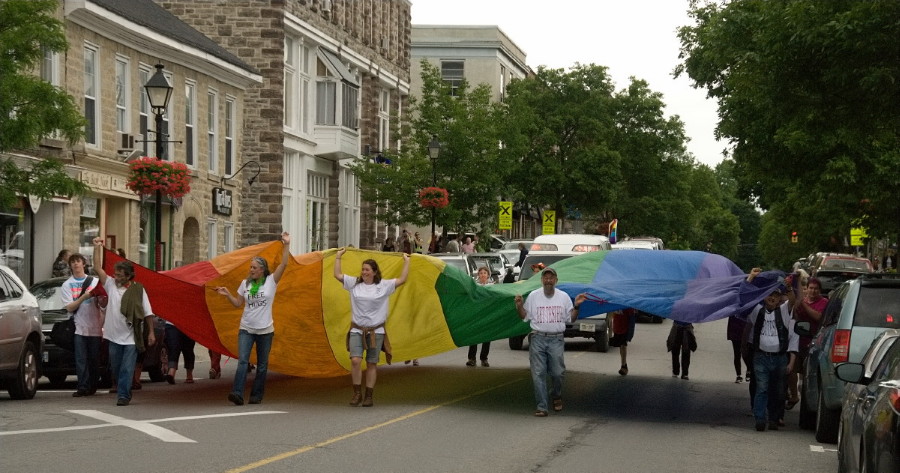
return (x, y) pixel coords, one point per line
(46, 357)
(587, 327)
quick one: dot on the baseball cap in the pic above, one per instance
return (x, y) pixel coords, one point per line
(549, 270)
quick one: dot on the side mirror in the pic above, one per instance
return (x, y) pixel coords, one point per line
(850, 372)
(803, 329)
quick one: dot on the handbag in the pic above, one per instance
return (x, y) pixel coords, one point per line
(63, 334)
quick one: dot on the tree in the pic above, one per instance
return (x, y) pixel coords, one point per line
(31, 109)
(807, 94)
(465, 123)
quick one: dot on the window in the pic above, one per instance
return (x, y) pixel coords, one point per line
(91, 96)
(50, 67)
(144, 109)
(229, 237)
(290, 75)
(502, 82)
(229, 136)
(350, 209)
(317, 212)
(212, 233)
(384, 119)
(123, 94)
(190, 122)
(453, 73)
(303, 79)
(349, 106)
(331, 71)
(326, 102)
(212, 128)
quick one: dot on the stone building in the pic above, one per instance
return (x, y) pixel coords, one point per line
(335, 80)
(112, 52)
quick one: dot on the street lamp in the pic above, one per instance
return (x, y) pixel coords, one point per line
(159, 91)
(434, 151)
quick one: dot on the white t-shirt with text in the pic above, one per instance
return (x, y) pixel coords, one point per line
(258, 309)
(548, 314)
(369, 302)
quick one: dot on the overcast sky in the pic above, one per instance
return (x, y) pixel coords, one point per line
(630, 37)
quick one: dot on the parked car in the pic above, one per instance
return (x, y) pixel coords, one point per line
(461, 261)
(857, 312)
(831, 269)
(634, 245)
(59, 363)
(593, 325)
(570, 243)
(498, 265)
(20, 337)
(869, 435)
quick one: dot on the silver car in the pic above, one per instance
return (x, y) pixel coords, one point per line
(21, 341)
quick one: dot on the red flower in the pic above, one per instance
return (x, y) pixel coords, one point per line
(151, 174)
(434, 197)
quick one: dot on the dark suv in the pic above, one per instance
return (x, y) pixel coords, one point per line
(858, 311)
(832, 269)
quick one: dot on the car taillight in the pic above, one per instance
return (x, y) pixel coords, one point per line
(840, 351)
(894, 397)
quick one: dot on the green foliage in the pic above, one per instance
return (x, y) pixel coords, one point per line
(46, 178)
(807, 93)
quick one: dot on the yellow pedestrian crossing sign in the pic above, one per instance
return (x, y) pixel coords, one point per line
(504, 216)
(549, 222)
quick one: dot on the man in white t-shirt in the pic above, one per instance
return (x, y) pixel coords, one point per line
(76, 298)
(548, 310)
(117, 330)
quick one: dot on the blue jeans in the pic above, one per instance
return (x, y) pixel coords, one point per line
(87, 356)
(263, 346)
(768, 372)
(546, 356)
(121, 360)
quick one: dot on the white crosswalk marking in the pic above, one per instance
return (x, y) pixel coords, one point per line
(146, 426)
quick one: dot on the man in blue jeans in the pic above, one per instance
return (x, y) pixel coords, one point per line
(547, 310)
(770, 335)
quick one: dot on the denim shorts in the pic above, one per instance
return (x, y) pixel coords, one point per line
(355, 343)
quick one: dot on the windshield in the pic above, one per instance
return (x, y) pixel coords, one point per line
(48, 297)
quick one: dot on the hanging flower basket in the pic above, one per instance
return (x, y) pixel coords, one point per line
(434, 198)
(149, 175)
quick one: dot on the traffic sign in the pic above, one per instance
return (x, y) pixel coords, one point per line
(549, 222)
(505, 216)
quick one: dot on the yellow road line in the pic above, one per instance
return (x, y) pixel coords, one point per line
(332, 440)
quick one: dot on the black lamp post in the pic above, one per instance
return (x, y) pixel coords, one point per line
(159, 91)
(434, 151)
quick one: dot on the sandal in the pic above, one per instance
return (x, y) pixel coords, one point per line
(557, 405)
(540, 413)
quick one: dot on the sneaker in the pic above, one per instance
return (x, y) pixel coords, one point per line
(485, 364)
(122, 401)
(80, 393)
(739, 380)
(254, 400)
(237, 400)
(470, 363)
(685, 377)
(760, 426)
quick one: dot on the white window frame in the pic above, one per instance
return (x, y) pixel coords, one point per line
(316, 212)
(123, 94)
(50, 73)
(92, 130)
(326, 101)
(303, 80)
(350, 209)
(228, 237)
(230, 117)
(290, 83)
(190, 123)
(384, 119)
(212, 130)
(453, 80)
(144, 114)
(212, 235)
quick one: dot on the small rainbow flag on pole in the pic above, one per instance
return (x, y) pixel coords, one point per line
(613, 227)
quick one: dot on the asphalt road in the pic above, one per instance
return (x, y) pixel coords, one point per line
(438, 417)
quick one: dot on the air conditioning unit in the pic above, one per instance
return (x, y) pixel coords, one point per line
(126, 141)
(326, 6)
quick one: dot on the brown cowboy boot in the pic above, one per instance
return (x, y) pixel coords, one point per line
(357, 395)
(368, 402)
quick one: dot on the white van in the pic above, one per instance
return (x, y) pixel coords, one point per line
(571, 243)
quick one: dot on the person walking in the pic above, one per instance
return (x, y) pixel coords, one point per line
(80, 304)
(61, 265)
(734, 333)
(418, 244)
(483, 278)
(178, 343)
(256, 295)
(681, 343)
(547, 310)
(623, 322)
(770, 331)
(452, 245)
(369, 295)
(128, 316)
(806, 309)
(468, 246)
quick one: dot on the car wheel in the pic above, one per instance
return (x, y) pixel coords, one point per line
(827, 421)
(24, 386)
(515, 343)
(601, 342)
(160, 368)
(57, 380)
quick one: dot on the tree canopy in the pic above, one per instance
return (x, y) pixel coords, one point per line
(807, 94)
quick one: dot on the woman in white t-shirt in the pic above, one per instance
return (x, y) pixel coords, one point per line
(258, 291)
(369, 295)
